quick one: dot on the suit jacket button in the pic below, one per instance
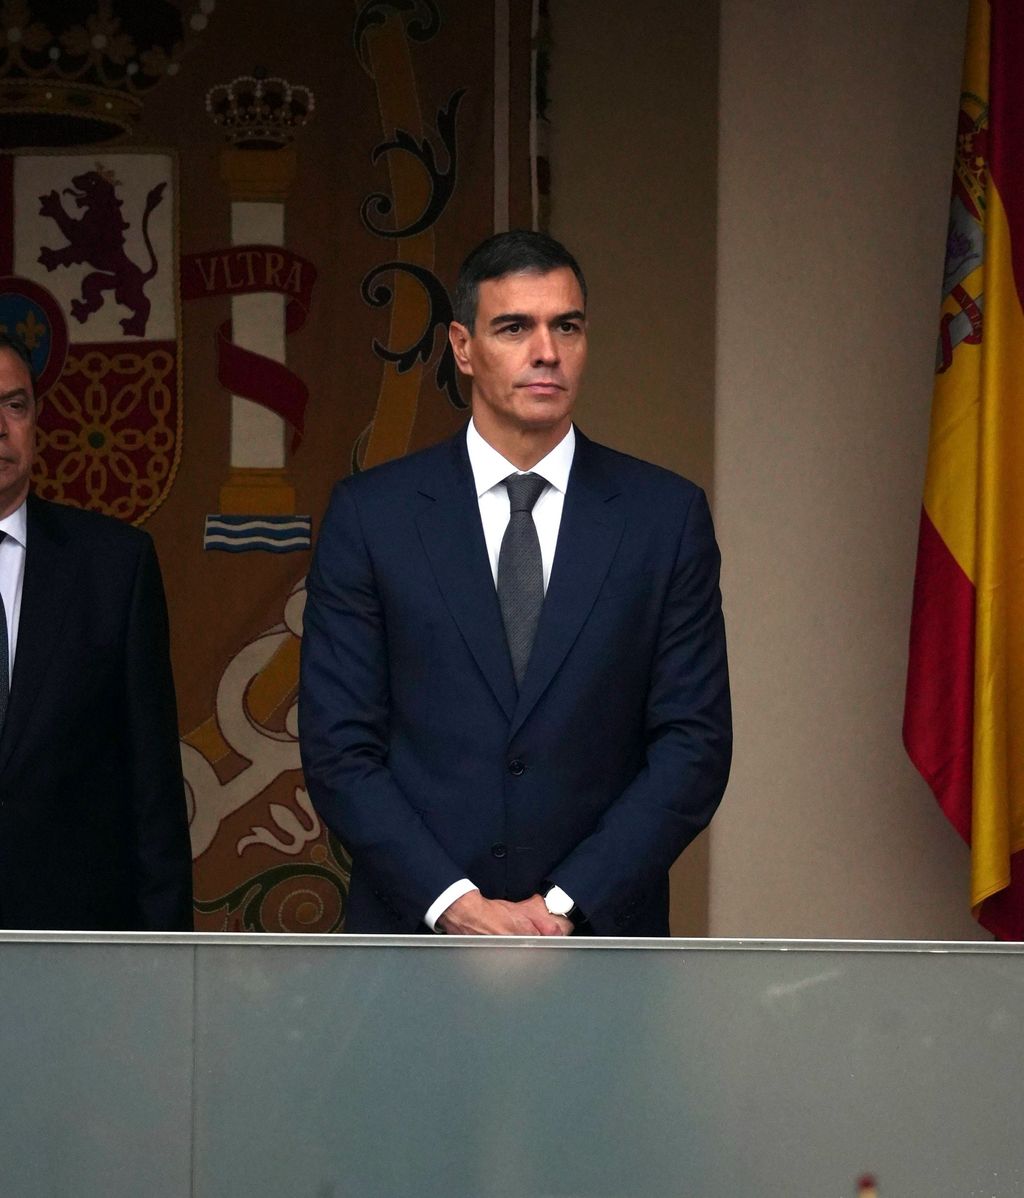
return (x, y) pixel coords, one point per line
(498, 850)
(517, 767)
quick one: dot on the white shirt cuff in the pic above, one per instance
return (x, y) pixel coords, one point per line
(445, 899)
(558, 896)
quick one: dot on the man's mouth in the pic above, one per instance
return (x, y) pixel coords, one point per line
(542, 385)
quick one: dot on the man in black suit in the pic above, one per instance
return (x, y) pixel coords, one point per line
(514, 704)
(93, 823)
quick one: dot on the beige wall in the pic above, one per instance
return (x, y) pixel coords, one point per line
(837, 123)
(633, 108)
(833, 122)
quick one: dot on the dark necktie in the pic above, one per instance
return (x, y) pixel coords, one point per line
(520, 570)
(5, 658)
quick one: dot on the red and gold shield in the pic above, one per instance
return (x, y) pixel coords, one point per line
(88, 279)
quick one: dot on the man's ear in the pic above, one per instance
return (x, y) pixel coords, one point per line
(460, 337)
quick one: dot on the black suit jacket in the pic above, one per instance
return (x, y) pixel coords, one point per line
(422, 756)
(93, 824)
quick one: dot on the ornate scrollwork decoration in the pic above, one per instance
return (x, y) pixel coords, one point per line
(442, 182)
(379, 295)
(258, 909)
(422, 22)
(355, 460)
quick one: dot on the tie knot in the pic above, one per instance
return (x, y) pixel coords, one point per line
(524, 491)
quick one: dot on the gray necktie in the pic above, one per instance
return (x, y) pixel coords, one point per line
(520, 570)
(5, 658)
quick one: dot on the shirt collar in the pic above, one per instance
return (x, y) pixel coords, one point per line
(490, 468)
(16, 525)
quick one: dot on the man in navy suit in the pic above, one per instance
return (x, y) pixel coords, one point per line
(93, 821)
(491, 769)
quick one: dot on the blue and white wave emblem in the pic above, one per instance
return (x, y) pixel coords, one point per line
(248, 534)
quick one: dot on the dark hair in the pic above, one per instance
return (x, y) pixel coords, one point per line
(519, 252)
(17, 346)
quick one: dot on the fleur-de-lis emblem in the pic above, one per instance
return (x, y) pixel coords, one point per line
(31, 330)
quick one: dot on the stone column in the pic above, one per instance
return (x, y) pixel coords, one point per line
(258, 182)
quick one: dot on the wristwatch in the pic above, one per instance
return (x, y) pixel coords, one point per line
(559, 903)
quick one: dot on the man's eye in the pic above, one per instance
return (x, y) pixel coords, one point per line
(569, 326)
(512, 328)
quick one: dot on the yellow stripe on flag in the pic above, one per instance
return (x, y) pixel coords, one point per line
(998, 810)
(951, 482)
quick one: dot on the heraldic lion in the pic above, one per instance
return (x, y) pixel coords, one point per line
(96, 238)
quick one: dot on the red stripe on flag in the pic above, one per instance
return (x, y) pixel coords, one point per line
(938, 720)
(1003, 913)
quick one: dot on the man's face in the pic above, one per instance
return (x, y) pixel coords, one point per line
(17, 430)
(526, 353)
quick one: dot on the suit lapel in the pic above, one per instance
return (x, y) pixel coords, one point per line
(453, 538)
(588, 536)
(47, 579)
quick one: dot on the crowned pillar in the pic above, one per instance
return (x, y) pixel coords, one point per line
(259, 115)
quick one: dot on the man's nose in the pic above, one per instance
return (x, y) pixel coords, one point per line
(544, 348)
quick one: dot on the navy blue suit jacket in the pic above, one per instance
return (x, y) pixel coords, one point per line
(93, 821)
(419, 752)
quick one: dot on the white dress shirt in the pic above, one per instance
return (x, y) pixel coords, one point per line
(490, 470)
(12, 575)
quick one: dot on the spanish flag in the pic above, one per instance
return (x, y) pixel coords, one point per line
(964, 718)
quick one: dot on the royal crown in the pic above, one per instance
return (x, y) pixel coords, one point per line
(260, 111)
(74, 72)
